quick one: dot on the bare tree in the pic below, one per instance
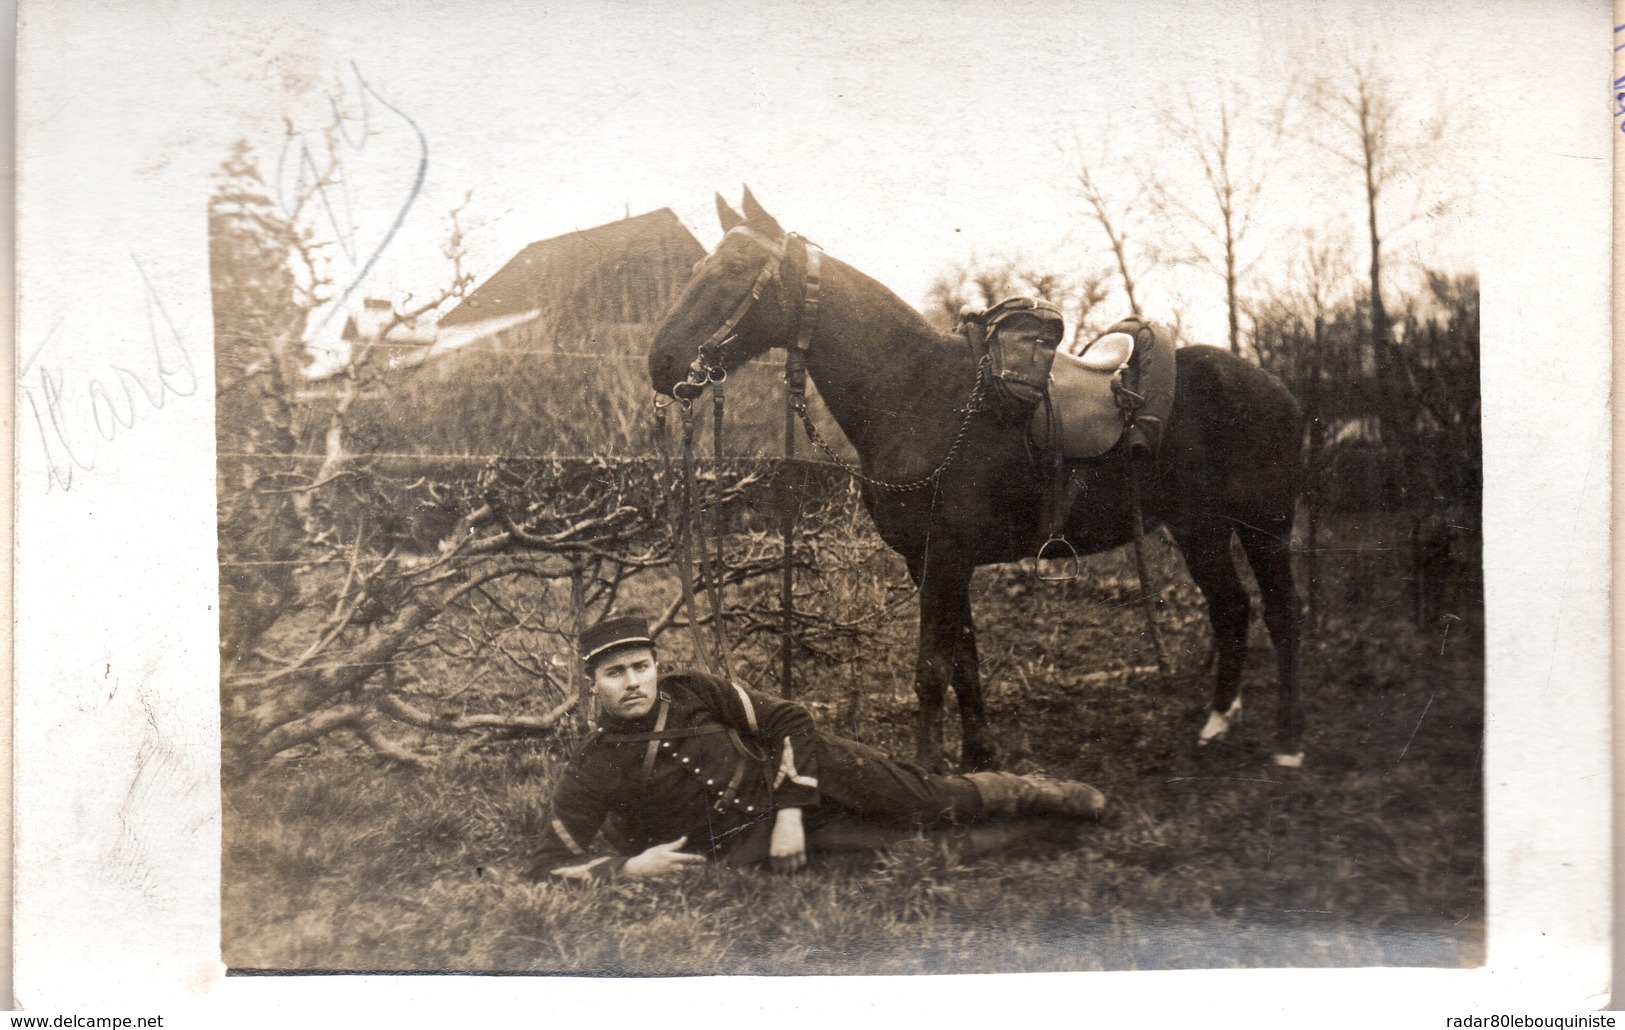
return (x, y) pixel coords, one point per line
(984, 281)
(365, 594)
(360, 370)
(1365, 120)
(1235, 143)
(1120, 210)
(1292, 341)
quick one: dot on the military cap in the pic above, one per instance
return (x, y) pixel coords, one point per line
(621, 631)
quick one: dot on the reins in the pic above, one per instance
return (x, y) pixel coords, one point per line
(707, 370)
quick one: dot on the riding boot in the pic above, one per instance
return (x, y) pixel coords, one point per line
(1006, 796)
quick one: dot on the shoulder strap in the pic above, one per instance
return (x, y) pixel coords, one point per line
(654, 741)
(750, 708)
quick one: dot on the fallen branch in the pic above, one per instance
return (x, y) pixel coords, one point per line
(445, 722)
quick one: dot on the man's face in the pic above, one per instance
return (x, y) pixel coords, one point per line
(625, 682)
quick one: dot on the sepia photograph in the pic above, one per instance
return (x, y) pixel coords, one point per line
(675, 578)
(810, 489)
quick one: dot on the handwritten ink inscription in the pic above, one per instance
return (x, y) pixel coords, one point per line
(115, 398)
(1619, 85)
(392, 183)
(70, 411)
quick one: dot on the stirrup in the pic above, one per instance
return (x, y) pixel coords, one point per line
(1071, 565)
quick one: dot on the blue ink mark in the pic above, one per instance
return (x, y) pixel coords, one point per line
(306, 163)
(113, 401)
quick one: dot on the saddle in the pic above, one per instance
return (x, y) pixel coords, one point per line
(1082, 398)
(1111, 394)
(1083, 416)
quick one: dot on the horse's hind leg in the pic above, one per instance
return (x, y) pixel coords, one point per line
(1269, 550)
(1206, 547)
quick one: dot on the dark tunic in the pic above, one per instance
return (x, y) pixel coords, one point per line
(713, 762)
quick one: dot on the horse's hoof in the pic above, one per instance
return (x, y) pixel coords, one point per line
(1219, 723)
(1286, 761)
(1214, 729)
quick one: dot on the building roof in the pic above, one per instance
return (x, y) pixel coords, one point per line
(545, 271)
(367, 323)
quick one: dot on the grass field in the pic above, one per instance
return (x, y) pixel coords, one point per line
(1371, 854)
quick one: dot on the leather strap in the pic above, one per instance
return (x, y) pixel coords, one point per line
(738, 778)
(676, 734)
(975, 334)
(795, 358)
(654, 743)
(1060, 486)
(811, 281)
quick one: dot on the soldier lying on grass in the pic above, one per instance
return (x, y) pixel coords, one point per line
(688, 767)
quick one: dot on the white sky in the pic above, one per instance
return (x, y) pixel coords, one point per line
(902, 137)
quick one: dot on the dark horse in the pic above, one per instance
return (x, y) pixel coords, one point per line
(900, 390)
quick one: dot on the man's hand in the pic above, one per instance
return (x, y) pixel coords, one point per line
(788, 847)
(661, 860)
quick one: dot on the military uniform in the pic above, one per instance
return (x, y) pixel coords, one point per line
(713, 761)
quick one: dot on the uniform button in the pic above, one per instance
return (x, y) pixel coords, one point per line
(750, 808)
(666, 745)
(685, 759)
(710, 783)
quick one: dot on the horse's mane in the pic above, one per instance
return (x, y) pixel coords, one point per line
(906, 318)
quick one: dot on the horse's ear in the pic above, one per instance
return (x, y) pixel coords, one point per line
(727, 215)
(757, 217)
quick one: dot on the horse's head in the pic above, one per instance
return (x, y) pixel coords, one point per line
(735, 305)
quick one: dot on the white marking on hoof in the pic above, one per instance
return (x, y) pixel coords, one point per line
(1290, 761)
(1218, 723)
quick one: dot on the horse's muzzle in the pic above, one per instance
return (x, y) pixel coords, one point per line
(662, 373)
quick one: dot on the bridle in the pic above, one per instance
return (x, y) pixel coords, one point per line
(707, 369)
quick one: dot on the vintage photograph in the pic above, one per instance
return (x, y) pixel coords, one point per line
(993, 491)
(589, 510)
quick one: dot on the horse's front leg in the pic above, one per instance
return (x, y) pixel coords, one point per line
(933, 671)
(948, 658)
(978, 752)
